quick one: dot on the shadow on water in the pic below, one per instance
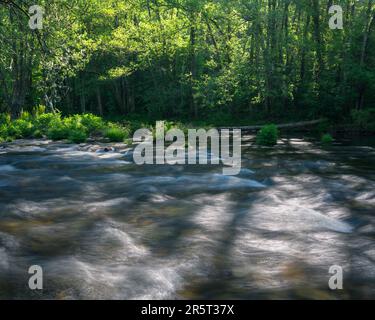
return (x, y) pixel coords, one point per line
(102, 227)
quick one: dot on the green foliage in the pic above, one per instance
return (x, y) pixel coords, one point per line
(169, 125)
(225, 63)
(27, 116)
(74, 123)
(3, 131)
(267, 136)
(184, 59)
(5, 118)
(327, 139)
(134, 125)
(21, 128)
(92, 123)
(43, 122)
(116, 134)
(77, 136)
(57, 130)
(39, 110)
(76, 128)
(37, 134)
(13, 131)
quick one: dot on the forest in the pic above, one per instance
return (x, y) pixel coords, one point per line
(221, 61)
(187, 150)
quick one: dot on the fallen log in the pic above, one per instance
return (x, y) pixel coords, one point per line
(279, 126)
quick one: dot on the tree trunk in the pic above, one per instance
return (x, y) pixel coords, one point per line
(369, 24)
(20, 75)
(82, 98)
(99, 100)
(193, 69)
(319, 42)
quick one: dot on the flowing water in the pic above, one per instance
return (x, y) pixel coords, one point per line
(102, 227)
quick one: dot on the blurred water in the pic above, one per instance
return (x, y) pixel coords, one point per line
(104, 228)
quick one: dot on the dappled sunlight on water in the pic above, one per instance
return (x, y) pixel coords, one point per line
(102, 227)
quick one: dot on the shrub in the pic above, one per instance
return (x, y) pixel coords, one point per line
(4, 118)
(267, 136)
(176, 125)
(57, 130)
(43, 122)
(13, 131)
(3, 131)
(116, 134)
(77, 136)
(7, 139)
(39, 110)
(76, 128)
(37, 134)
(74, 123)
(92, 123)
(327, 139)
(25, 115)
(168, 125)
(21, 128)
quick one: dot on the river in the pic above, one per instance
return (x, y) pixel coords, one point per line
(102, 227)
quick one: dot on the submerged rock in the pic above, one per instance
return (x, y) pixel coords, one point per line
(106, 149)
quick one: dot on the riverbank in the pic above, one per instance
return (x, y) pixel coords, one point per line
(89, 127)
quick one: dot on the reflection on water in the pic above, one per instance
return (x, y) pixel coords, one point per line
(104, 228)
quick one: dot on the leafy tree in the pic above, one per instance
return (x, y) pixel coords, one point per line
(259, 59)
